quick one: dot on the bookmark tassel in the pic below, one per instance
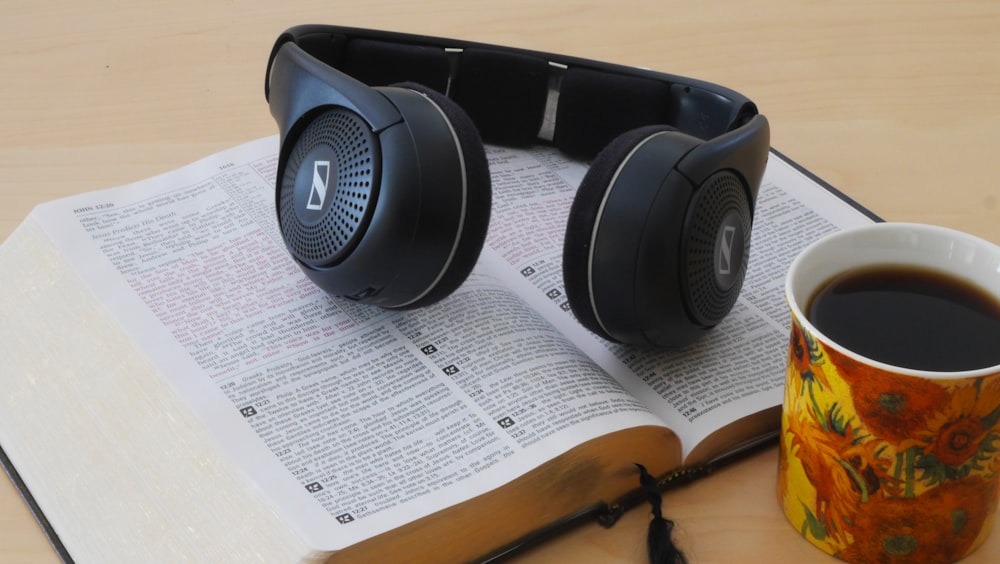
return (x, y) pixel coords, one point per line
(661, 547)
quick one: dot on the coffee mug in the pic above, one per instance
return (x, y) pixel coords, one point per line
(890, 439)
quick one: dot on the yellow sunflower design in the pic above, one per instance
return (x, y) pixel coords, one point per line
(882, 467)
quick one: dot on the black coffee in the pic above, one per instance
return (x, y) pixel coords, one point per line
(910, 317)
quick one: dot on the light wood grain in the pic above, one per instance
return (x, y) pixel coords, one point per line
(897, 103)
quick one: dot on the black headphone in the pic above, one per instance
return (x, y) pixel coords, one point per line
(383, 188)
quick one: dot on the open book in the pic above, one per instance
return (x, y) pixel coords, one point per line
(175, 389)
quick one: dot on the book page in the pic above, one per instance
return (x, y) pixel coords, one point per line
(734, 371)
(354, 419)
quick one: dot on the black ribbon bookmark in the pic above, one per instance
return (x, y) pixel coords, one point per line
(661, 547)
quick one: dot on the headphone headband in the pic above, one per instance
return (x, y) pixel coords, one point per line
(514, 96)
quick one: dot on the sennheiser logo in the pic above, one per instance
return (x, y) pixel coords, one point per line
(726, 248)
(320, 183)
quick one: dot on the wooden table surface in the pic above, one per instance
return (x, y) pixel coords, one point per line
(897, 103)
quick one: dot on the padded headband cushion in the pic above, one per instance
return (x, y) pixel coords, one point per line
(596, 107)
(583, 217)
(504, 94)
(478, 196)
(379, 63)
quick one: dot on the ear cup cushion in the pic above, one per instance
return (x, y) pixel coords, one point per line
(478, 196)
(583, 216)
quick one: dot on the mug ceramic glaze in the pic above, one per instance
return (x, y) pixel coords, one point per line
(880, 463)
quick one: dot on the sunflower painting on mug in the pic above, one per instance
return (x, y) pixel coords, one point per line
(878, 466)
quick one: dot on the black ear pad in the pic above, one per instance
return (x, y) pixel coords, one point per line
(652, 256)
(394, 216)
(479, 196)
(582, 217)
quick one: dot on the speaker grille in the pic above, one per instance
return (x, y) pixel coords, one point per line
(329, 187)
(715, 247)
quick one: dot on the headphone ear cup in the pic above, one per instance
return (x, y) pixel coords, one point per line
(333, 164)
(478, 194)
(583, 216)
(651, 255)
(395, 217)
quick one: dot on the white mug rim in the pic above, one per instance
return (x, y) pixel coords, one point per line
(854, 233)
